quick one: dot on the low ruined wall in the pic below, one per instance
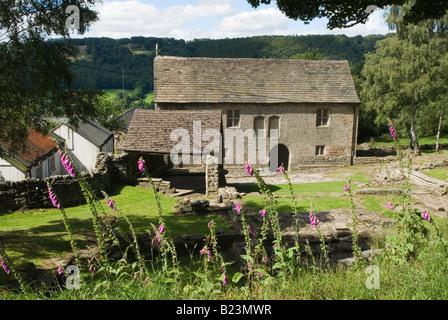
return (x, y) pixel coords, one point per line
(32, 193)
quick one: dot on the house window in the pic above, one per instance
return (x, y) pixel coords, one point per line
(233, 118)
(274, 124)
(320, 150)
(322, 117)
(259, 126)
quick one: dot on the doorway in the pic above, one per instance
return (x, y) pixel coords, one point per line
(282, 153)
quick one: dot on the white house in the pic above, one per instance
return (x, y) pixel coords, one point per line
(39, 160)
(85, 141)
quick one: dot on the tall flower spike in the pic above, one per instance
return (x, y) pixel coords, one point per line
(248, 168)
(5, 266)
(141, 164)
(53, 198)
(392, 131)
(66, 163)
(110, 203)
(238, 207)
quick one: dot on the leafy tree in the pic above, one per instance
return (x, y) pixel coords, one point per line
(311, 54)
(35, 73)
(407, 73)
(344, 14)
(107, 112)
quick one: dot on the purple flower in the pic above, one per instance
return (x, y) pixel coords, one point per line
(205, 250)
(53, 198)
(66, 163)
(5, 266)
(141, 164)
(426, 216)
(252, 232)
(346, 187)
(313, 220)
(161, 228)
(110, 203)
(389, 206)
(210, 223)
(248, 168)
(224, 281)
(238, 207)
(260, 274)
(392, 131)
(135, 275)
(281, 169)
(59, 270)
(263, 212)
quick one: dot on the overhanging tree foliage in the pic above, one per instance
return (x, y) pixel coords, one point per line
(344, 14)
(35, 74)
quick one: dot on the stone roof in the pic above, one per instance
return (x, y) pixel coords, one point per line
(150, 130)
(224, 80)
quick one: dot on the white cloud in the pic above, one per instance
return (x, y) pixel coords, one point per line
(129, 18)
(262, 22)
(208, 19)
(374, 25)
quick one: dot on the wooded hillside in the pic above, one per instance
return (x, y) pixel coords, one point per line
(104, 63)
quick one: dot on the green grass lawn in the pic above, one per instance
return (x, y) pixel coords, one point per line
(300, 189)
(37, 235)
(110, 94)
(431, 140)
(441, 174)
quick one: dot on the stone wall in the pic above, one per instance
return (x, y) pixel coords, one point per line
(32, 193)
(297, 130)
(211, 175)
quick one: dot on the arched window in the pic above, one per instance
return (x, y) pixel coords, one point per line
(259, 126)
(274, 124)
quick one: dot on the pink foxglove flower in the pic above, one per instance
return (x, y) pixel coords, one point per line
(111, 203)
(251, 231)
(66, 163)
(263, 212)
(238, 207)
(313, 220)
(53, 198)
(389, 206)
(161, 228)
(141, 164)
(224, 281)
(425, 216)
(248, 168)
(5, 266)
(346, 187)
(281, 169)
(59, 271)
(392, 131)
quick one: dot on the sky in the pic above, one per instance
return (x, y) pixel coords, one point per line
(211, 19)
